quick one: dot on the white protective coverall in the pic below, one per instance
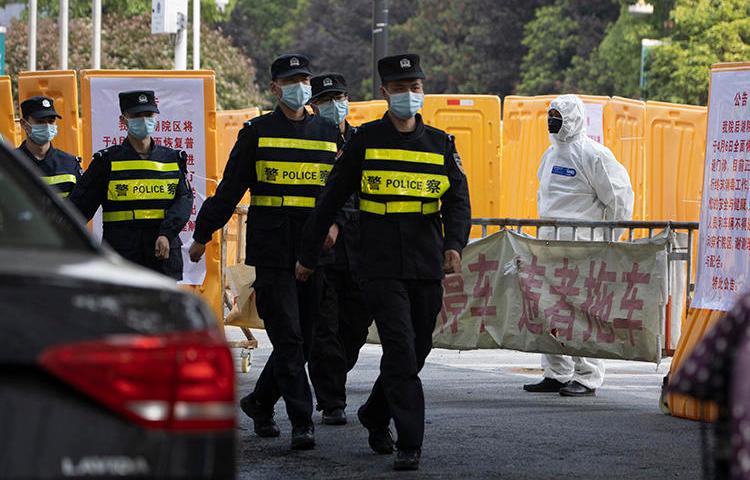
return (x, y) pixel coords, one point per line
(579, 179)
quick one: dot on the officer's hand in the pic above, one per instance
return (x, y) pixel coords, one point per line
(161, 249)
(452, 263)
(333, 234)
(302, 273)
(197, 250)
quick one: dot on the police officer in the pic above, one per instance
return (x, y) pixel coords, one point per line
(143, 191)
(59, 169)
(342, 321)
(284, 158)
(415, 221)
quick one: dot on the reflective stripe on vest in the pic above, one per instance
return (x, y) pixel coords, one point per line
(403, 156)
(423, 185)
(298, 143)
(380, 208)
(142, 189)
(57, 179)
(292, 173)
(282, 201)
(129, 215)
(122, 165)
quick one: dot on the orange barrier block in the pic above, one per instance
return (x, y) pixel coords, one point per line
(699, 322)
(7, 119)
(61, 86)
(475, 122)
(624, 134)
(525, 138)
(363, 112)
(675, 153)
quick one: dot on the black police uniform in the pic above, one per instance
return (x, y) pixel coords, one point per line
(343, 318)
(59, 169)
(414, 205)
(284, 163)
(143, 196)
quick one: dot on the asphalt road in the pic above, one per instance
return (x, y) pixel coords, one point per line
(481, 424)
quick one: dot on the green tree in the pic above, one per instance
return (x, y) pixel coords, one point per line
(123, 48)
(558, 34)
(613, 68)
(704, 32)
(472, 46)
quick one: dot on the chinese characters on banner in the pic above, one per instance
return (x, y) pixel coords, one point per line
(724, 249)
(181, 125)
(595, 121)
(590, 299)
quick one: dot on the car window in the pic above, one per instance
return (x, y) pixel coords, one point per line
(29, 217)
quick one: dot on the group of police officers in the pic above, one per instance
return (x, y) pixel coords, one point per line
(345, 226)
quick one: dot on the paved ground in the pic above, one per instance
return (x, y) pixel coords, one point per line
(480, 424)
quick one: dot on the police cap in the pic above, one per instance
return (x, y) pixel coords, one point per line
(137, 101)
(39, 107)
(289, 65)
(326, 83)
(399, 67)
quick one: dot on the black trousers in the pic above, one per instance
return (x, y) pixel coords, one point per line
(137, 244)
(287, 308)
(405, 312)
(340, 331)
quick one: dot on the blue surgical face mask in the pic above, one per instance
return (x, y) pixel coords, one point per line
(141, 127)
(334, 111)
(405, 105)
(43, 133)
(296, 95)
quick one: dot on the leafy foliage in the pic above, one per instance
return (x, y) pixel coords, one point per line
(128, 44)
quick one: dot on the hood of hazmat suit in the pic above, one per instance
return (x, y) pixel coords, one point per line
(580, 179)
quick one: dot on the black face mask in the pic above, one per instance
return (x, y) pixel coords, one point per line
(554, 124)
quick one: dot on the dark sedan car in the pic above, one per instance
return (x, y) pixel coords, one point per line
(106, 369)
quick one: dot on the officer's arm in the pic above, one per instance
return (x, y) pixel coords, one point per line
(78, 170)
(343, 182)
(178, 213)
(239, 175)
(91, 190)
(455, 208)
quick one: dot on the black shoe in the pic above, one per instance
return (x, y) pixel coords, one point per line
(303, 438)
(265, 426)
(407, 460)
(547, 385)
(337, 416)
(379, 438)
(575, 389)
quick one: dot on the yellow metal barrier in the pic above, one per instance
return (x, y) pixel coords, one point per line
(363, 112)
(475, 122)
(525, 138)
(624, 134)
(675, 151)
(61, 86)
(7, 120)
(211, 290)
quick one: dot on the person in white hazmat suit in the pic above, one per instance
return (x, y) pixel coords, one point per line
(579, 179)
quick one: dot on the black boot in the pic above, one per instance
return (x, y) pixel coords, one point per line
(547, 385)
(335, 416)
(303, 438)
(264, 424)
(407, 459)
(379, 438)
(575, 389)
